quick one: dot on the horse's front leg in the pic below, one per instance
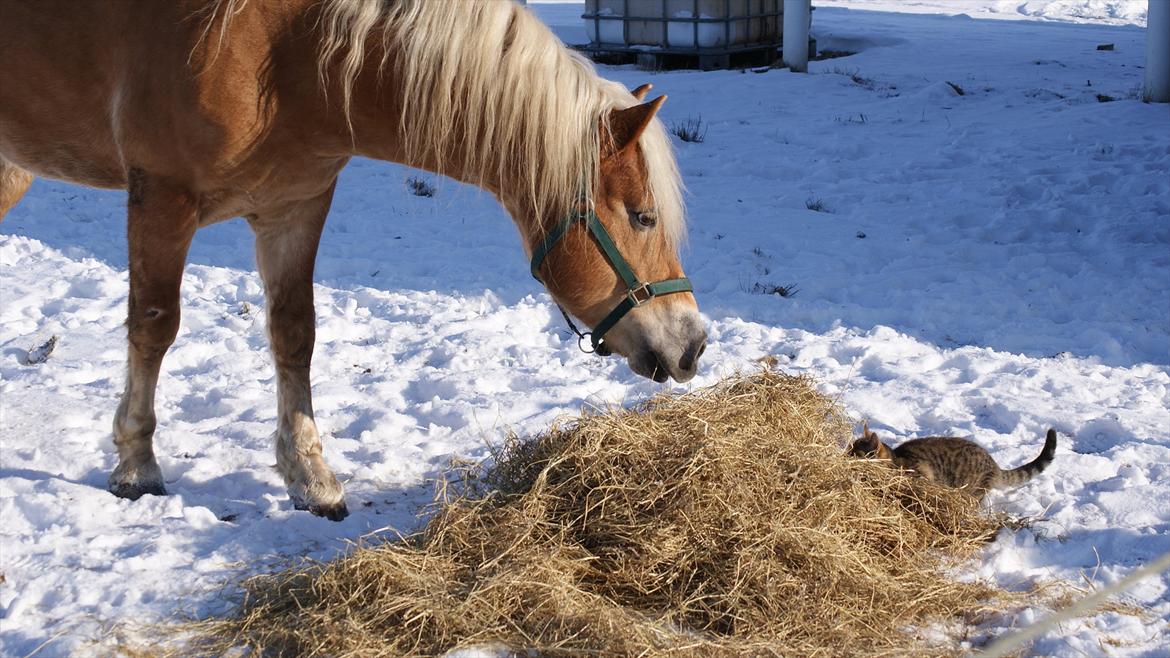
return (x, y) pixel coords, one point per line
(162, 218)
(286, 248)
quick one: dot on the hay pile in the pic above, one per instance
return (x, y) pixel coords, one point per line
(725, 522)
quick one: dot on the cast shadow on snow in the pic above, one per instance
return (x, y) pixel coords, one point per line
(382, 238)
(242, 501)
(376, 237)
(17, 354)
(246, 536)
(1081, 549)
(255, 514)
(94, 477)
(372, 508)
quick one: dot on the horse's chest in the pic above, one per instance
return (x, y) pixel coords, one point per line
(266, 185)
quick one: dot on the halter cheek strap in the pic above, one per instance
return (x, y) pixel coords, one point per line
(637, 292)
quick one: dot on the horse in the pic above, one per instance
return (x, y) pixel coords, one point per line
(205, 110)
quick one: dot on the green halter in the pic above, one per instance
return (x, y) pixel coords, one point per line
(637, 292)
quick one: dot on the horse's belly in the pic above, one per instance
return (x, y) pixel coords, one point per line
(71, 162)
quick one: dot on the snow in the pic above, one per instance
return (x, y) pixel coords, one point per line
(1108, 12)
(987, 264)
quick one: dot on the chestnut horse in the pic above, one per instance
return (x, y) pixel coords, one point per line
(204, 110)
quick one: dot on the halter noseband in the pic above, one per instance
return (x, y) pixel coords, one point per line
(637, 292)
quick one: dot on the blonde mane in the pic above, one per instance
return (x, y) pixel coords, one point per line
(482, 78)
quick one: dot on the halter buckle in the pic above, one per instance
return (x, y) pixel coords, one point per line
(640, 294)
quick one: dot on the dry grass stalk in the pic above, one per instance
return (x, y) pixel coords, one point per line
(724, 522)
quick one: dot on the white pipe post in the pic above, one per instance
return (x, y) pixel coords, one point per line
(1157, 88)
(795, 40)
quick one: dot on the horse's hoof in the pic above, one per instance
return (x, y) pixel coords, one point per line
(334, 512)
(136, 491)
(133, 479)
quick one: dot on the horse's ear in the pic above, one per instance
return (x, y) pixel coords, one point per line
(626, 126)
(640, 91)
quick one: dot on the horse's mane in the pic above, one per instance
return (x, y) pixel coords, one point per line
(512, 86)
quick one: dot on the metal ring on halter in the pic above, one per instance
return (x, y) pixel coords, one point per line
(587, 336)
(593, 347)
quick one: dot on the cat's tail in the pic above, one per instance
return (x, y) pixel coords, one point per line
(1017, 476)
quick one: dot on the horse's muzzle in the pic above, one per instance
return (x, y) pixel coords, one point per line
(670, 352)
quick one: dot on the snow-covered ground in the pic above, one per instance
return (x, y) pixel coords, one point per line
(989, 263)
(1111, 12)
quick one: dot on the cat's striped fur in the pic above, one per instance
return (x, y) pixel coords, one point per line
(954, 462)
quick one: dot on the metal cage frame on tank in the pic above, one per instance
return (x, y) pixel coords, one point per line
(705, 34)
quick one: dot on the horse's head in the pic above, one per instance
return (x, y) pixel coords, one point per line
(597, 261)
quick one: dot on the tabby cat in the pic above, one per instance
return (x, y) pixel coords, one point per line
(954, 462)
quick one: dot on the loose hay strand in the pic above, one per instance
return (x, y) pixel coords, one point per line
(721, 522)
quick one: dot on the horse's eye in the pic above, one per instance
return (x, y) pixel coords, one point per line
(645, 218)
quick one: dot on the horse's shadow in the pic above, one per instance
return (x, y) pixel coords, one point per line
(459, 242)
(378, 234)
(218, 537)
(251, 518)
(92, 478)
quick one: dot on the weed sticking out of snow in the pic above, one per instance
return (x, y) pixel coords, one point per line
(41, 352)
(774, 289)
(722, 522)
(854, 76)
(690, 130)
(420, 187)
(829, 53)
(858, 119)
(815, 204)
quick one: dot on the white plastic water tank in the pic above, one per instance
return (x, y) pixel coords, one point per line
(682, 24)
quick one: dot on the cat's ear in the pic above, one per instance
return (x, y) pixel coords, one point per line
(865, 433)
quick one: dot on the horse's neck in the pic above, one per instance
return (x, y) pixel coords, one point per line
(376, 113)
(376, 116)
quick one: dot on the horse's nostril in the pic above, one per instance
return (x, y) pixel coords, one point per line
(690, 358)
